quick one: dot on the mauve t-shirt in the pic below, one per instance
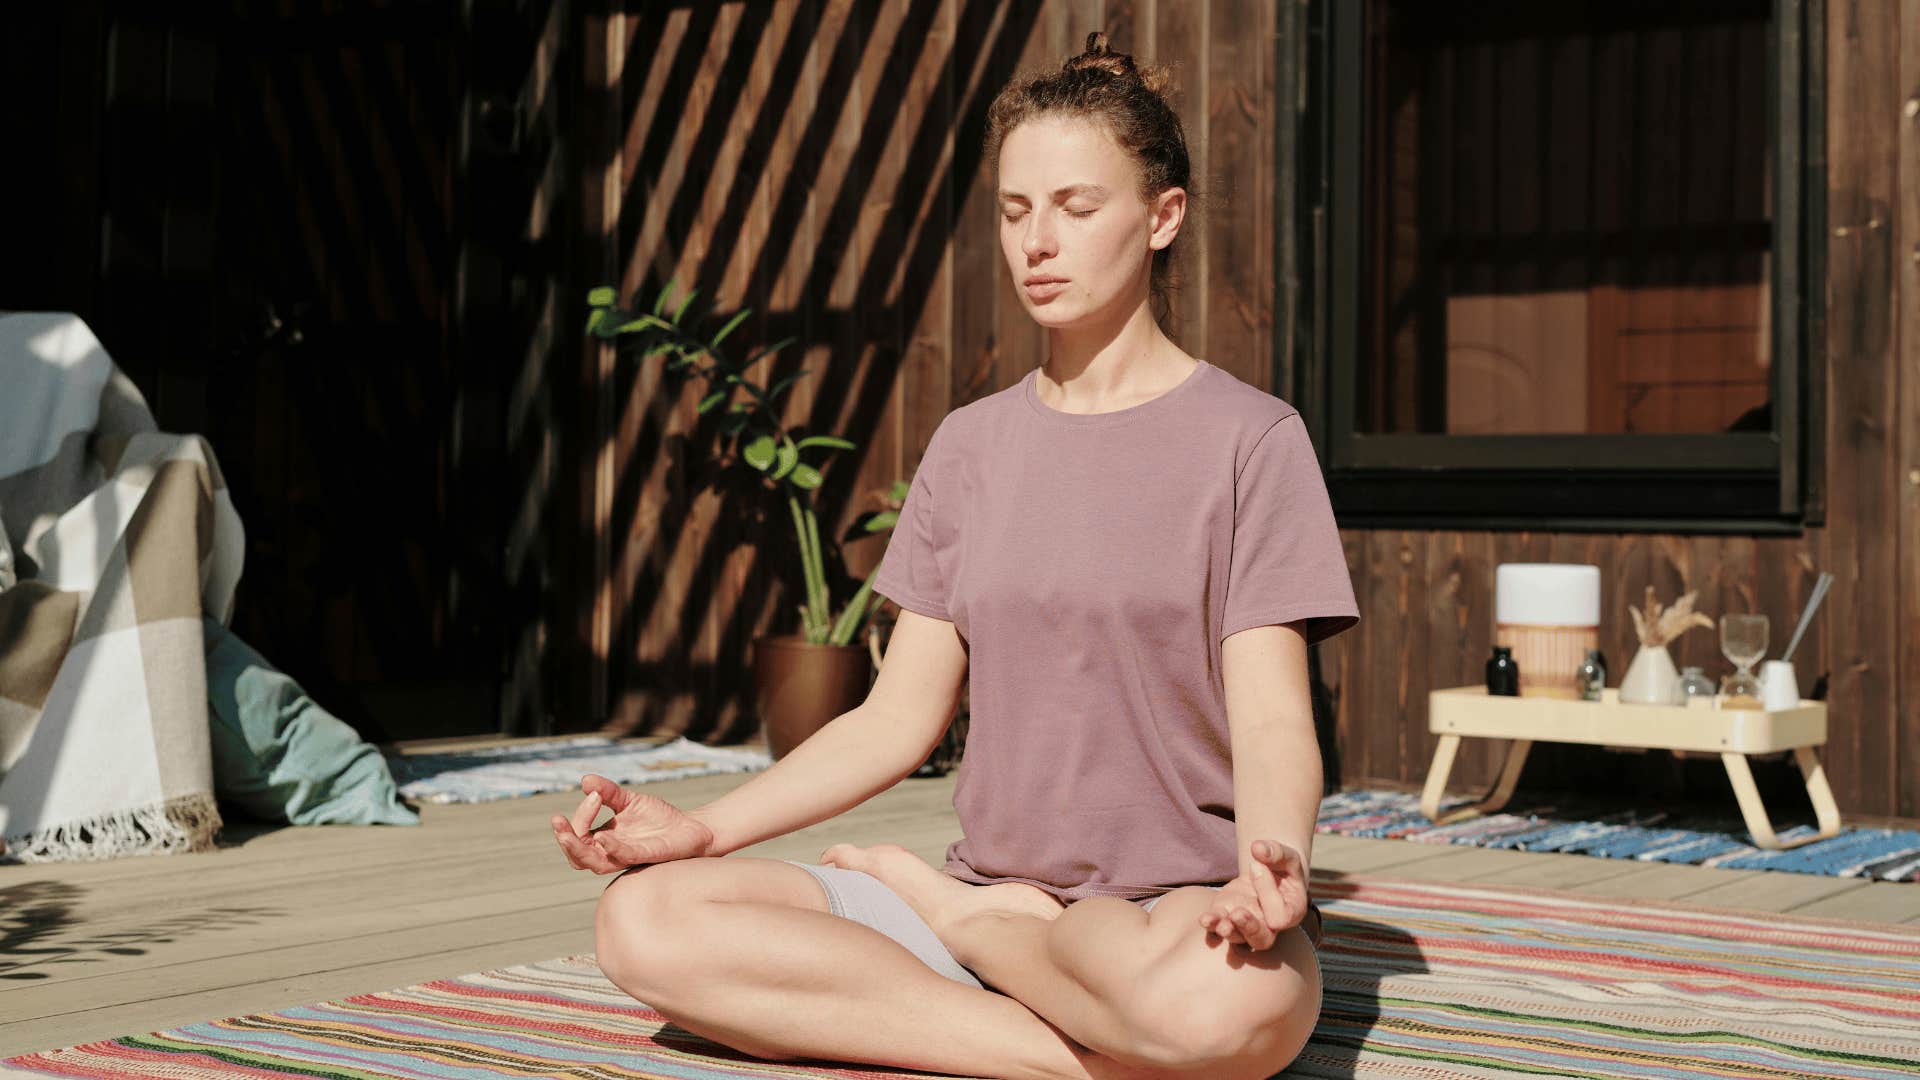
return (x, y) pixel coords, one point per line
(1093, 564)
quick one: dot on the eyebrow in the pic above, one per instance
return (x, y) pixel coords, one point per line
(1060, 193)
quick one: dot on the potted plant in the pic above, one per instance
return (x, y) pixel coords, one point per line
(801, 680)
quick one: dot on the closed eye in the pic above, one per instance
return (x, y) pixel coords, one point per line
(1074, 213)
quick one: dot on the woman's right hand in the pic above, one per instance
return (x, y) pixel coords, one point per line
(643, 830)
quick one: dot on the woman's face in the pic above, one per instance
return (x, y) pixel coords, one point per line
(1070, 209)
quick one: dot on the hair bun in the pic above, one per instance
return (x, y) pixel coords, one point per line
(1098, 55)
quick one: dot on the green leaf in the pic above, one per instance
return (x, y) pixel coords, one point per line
(789, 457)
(898, 490)
(661, 303)
(742, 406)
(826, 440)
(731, 323)
(601, 296)
(885, 519)
(682, 309)
(734, 425)
(595, 318)
(760, 453)
(707, 403)
(806, 476)
(768, 350)
(641, 323)
(784, 383)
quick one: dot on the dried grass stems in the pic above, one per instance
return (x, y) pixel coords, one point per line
(1658, 626)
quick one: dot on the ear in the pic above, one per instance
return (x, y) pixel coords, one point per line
(1169, 210)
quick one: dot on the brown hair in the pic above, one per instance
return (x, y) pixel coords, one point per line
(1131, 104)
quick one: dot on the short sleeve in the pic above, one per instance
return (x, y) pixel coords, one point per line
(1287, 563)
(910, 572)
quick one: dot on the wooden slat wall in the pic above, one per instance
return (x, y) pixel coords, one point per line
(818, 161)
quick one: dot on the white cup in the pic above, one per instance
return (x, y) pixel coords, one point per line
(1779, 687)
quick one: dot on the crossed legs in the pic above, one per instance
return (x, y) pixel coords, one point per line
(745, 952)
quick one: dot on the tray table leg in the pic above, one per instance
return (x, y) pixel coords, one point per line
(1437, 775)
(1818, 791)
(1756, 812)
(1517, 751)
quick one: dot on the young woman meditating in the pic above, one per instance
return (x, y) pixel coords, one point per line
(1127, 554)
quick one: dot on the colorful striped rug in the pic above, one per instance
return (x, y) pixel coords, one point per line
(1421, 980)
(1693, 836)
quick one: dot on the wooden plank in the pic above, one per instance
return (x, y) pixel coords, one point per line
(1665, 881)
(1337, 856)
(1551, 870)
(1862, 159)
(1877, 902)
(1341, 663)
(437, 916)
(1906, 697)
(1382, 691)
(1777, 891)
(1181, 40)
(1237, 245)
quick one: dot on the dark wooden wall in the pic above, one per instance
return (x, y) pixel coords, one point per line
(365, 176)
(820, 163)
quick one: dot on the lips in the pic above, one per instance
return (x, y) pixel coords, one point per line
(1043, 279)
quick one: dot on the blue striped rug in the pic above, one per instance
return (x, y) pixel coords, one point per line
(1691, 837)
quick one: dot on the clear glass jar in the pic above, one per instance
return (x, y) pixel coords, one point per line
(1591, 679)
(1694, 683)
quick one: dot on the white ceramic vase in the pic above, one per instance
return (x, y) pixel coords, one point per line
(1651, 679)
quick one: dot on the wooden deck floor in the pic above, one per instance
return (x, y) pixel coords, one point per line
(284, 916)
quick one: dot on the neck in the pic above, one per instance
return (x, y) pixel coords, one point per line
(1094, 366)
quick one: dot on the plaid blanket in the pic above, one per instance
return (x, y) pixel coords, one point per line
(117, 538)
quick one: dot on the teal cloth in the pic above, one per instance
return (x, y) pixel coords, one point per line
(278, 756)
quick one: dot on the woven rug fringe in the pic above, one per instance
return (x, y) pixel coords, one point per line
(176, 826)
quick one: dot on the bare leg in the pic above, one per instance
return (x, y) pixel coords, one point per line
(784, 982)
(1006, 944)
(1148, 989)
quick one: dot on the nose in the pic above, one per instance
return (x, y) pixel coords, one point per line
(1038, 240)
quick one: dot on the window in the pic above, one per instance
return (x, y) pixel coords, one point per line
(1565, 270)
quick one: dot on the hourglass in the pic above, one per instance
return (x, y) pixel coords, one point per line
(1743, 640)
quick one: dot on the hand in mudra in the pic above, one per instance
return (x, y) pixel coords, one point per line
(1253, 911)
(643, 830)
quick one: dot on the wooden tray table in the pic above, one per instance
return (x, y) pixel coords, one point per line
(1470, 712)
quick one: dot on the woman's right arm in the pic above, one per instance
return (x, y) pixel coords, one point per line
(859, 753)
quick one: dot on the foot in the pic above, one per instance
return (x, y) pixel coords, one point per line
(944, 902)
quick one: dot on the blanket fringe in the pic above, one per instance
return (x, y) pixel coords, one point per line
(173, 827)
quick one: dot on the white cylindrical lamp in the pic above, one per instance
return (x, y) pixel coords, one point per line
(1549, 614)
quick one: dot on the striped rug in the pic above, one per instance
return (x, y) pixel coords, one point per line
(1694, 836)
(1421, 980)
(516, 770)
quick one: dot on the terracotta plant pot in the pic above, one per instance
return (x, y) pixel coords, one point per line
(799, 687)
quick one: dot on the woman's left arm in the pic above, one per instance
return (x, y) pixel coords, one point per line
(1276, 762)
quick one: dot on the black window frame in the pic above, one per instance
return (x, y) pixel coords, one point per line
(1737, 482)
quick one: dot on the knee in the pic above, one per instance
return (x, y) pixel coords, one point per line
(1206, 1045)
(635, 926)
(1245, 1028)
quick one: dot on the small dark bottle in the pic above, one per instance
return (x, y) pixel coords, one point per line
(1503, 674)
(1592, 677)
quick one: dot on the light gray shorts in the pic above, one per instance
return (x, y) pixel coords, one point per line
(856, 895)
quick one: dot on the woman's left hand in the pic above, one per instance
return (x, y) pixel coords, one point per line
(1254, 908)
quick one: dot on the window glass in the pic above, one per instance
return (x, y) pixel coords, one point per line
(1567, 218)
